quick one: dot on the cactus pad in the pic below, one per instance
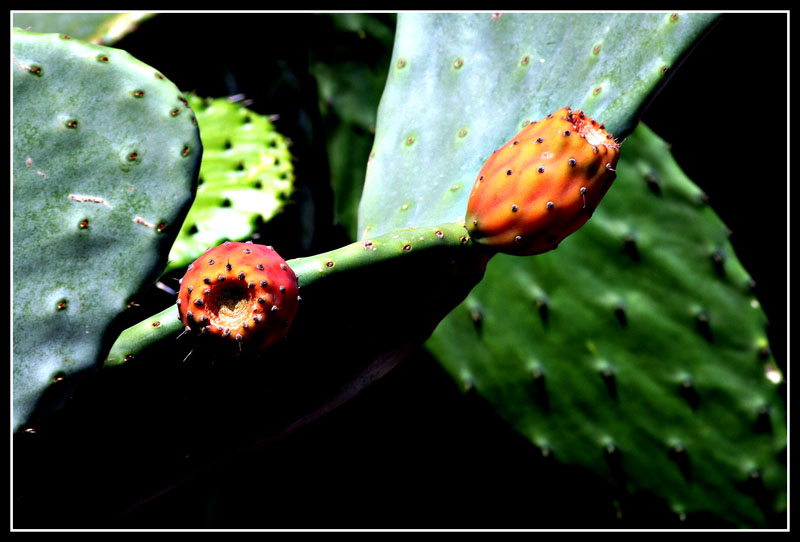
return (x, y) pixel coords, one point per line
(105, 160)
(461, 84)
(246, 174)
(636, 350)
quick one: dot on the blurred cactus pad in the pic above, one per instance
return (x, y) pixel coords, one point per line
(245, 177)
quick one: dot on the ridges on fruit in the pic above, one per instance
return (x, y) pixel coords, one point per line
(543, 184)
(241, 296)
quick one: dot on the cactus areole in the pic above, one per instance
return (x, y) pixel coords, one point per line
(543, 184)
(240, 297)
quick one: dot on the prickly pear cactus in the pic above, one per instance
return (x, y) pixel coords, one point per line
(446, 246)
(647, 369)
(105, 161)
(246, 174)
(460, 85)
(636, 350)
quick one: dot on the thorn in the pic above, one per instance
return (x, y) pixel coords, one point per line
(161, 286)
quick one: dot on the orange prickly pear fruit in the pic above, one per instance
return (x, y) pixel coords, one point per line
(543, 184)
(241, 296)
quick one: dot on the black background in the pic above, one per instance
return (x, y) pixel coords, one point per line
(412, 451)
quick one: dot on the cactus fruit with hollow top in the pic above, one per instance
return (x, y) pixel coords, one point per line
(242, 296)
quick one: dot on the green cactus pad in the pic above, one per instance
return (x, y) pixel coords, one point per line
(636, 349)
(461, 84)
(246, 173)
(105, 161)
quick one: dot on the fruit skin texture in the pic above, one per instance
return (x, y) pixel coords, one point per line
(543, 184)
(241, 297)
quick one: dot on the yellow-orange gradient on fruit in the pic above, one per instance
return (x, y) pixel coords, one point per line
(242, 297)
(543, 184)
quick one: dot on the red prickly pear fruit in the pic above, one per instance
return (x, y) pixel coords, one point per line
(543, 184)
(241, 296)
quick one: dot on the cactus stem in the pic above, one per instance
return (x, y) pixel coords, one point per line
(449, 236)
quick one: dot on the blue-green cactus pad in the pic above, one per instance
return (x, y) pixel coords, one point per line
(105, 161)
(462, 84)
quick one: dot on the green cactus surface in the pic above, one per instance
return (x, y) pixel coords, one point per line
(636, 350)
(246, 174)
(105, 159)
(461, 84)
(98, 28)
